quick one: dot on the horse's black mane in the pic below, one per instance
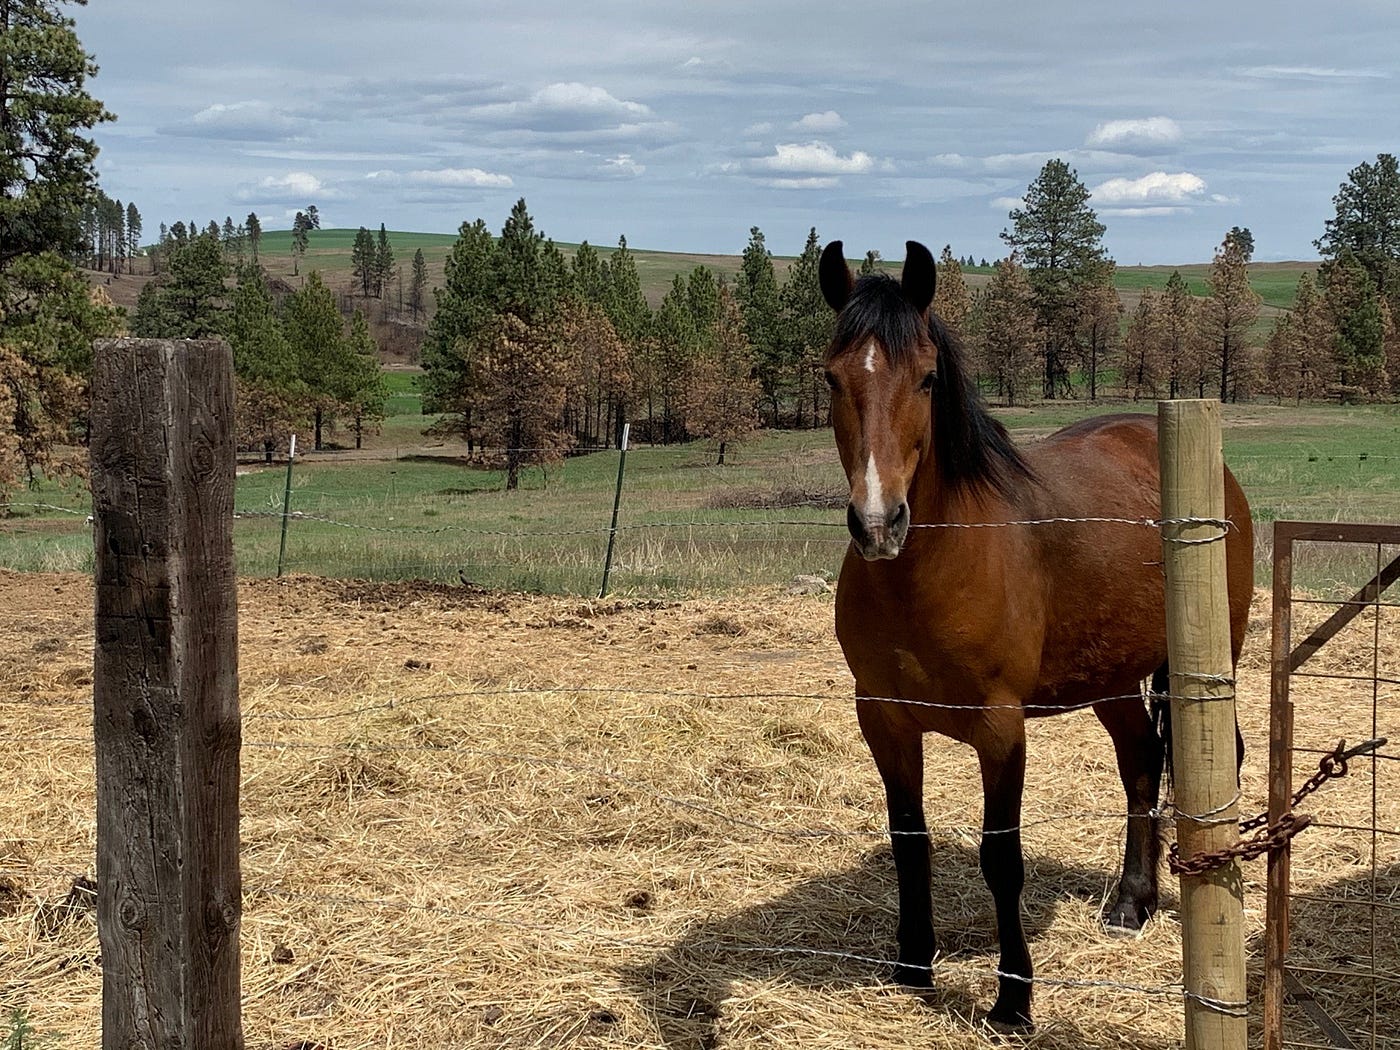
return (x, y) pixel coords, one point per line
(970, 447)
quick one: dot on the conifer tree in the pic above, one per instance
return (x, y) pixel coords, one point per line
(1226, 318)
(1180, 353)
(951, 300)
(418, 286)
(1061, 241)
(1009, 332)
(721, 395)
(1366, 223)
(465, 303)
(362, 260)
(362, 389)
(1099, 311)
(383, 262)
(589, 280)
(807, 325)
(1142, 348)
(313, 328)
(133, 235)
(870, 264)
(1353, 306)
(756, 291)
(254, 228)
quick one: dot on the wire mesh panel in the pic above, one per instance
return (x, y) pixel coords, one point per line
(1332, 966)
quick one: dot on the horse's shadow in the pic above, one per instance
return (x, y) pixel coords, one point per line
(830, 933)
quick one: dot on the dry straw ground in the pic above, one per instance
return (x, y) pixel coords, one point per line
(521, 852)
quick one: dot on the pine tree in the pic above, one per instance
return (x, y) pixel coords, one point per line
(1061, 241)
(362, 260)
(418, 287)
(1367, 223)
(524, 389)
(870, 264)
(133, 235)
(362, 388)
(301, 227)
(465, 303)
(1099, 310)
(721, 394)
(807, 325)
(46, 158)
(951, 300)
(187, 302)
(1008, 330)
(589, 279)
(383, 262)
(1241, 236)
(1180, 353)
(1142, 348)
(1353, 306)
(676, 342)
(630, 315)
(756, 290)
(313, 327)
(601, 374)
(270, 398)
(49, 318)
(254, 228)
(1228, 314)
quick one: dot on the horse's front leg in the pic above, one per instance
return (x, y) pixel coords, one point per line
(1001, 752)
(898, 749)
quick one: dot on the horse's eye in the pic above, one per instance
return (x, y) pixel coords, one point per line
(830, 379)
(929, 380)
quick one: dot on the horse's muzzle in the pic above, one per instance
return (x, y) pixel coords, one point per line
(881, 538)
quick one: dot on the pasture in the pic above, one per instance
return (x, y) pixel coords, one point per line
(475, 819)
(410, 507)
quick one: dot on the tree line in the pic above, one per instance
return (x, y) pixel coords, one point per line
(296, 360)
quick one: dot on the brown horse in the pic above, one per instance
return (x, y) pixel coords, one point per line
(994, 624)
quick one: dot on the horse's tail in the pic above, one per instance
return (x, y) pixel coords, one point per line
(1159, 707)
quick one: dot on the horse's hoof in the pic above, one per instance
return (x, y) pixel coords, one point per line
(912, 976)
(1125, 920)
(1010, 1020)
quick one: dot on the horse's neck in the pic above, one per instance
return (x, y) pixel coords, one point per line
(933, 500)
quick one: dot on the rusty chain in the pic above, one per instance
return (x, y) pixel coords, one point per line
(1275, 836)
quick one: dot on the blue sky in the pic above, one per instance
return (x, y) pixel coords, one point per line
(682, 125)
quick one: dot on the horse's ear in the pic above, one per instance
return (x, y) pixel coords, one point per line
(917, 279)
(835, 276)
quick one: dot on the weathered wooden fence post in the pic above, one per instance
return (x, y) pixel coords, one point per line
(1203, 721)
(165, 691)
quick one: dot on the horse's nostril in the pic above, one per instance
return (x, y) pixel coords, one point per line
(900, 518)
(853, 522)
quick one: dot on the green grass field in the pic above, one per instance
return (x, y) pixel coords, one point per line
(329, 252)
(688, 526)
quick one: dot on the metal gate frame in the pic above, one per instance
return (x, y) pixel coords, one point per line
(1281, 983)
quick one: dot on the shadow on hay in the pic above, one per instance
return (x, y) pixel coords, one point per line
(854, 911)
(1335, 934)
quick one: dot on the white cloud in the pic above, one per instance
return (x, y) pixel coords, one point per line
(1311, 73)
(809, 182)
(816, 158)
(293, 187)
(562, 106)
(451, 177)
(1150, 131)
(828, 121)
(1144, 213)
(622, 167)
(1008, 203)
(1158, 187)
(250, 120)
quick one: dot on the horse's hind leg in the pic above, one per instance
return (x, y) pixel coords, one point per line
(1139, 751)
(898, 750)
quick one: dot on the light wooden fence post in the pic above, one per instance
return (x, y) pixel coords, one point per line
(165, 692)
(1203, 722)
